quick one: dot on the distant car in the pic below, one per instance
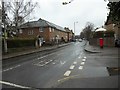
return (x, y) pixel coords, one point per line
(73, 40)
(80, 40)
(117, 43)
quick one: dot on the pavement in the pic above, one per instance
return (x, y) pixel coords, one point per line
(21, 53)
(97, 49)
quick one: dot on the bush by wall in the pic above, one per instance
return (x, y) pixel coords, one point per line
(16, 43)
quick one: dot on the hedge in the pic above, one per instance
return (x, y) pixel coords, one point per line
(15, 43)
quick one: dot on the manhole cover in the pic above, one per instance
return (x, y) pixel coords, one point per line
(113, 70)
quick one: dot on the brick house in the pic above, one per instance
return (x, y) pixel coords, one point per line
(48, 31)
(70, 34)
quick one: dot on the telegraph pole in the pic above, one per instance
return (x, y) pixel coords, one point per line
(4, 24)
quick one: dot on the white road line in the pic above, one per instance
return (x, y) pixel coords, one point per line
(67, 73)
(79, 57)
(72, 67)
(53, 62)
(82, 63)
(62, 62)
(83, 59)
(41, 65)
(38, 64)
(11, 68)
(15, 85)
(81, 67)
(81, 53)
(74, 62)
(46, 62)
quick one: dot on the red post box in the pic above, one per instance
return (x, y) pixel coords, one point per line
(101, 42)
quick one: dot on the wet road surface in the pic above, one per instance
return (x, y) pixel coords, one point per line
(53, 68)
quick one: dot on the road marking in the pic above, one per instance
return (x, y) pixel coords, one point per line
(15, 85)
(53, 62)
(83, 59)
(81, 53)
(72, 67)
(45, 63)
(66, 78)
(40, 62)
(82, 63)
(11, 68)
(79, 57)
(62, 62)
(74, 62)
(81, 67)
(67, 73)
(41, 65)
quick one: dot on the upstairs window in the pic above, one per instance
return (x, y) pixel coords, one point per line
(30, 32)
(50, 29)
(53, 29)
(41, 29)
(20, 31)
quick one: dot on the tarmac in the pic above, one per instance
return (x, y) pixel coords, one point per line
(95, 82)
(41, 49)
(104, 82)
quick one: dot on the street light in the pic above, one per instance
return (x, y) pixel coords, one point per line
(74, 27)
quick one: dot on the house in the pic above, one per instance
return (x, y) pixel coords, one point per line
(48, 31)
(70, 34)
(110, 26)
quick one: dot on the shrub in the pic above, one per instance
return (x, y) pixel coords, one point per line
(15, 43)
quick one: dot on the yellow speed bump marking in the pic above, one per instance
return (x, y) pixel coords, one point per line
(67, 73)
(66, 78)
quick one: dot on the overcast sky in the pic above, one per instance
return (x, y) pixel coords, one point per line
(81, 11)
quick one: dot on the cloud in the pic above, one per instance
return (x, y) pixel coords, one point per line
(79, 10)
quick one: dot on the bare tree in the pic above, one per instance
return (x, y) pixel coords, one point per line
(18, 11)
(88, 30)
(14, 14)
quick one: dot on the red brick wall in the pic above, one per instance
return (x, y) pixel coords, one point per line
(109, 41)
(36, 32)
(55, 32)
(46, 34)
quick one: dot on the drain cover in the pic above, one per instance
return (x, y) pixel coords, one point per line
(113, 70)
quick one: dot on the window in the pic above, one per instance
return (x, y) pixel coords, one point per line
(53, 29)
(49, 29)
(30, 32)
(41, 29)
(20, 31)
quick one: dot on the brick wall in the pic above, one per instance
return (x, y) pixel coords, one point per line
(54, 32)
(109, 41)
(48, 34)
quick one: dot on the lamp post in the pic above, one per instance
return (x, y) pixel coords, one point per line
(74, 28)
